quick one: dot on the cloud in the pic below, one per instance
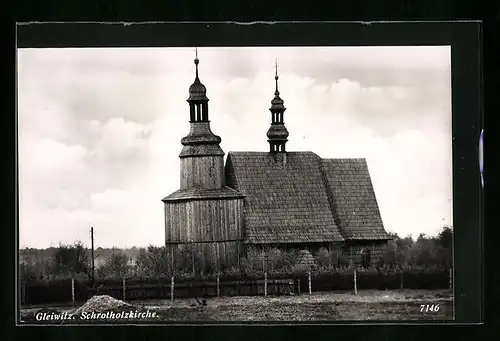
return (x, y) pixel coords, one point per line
(412, 180)
(100, 129)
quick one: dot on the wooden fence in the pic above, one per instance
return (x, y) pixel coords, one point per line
(200, 289)
(171, 288)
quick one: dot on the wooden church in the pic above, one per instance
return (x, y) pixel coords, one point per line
(267, 199)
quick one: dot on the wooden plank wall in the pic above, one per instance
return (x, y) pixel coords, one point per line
(210, 221)
(204, 172)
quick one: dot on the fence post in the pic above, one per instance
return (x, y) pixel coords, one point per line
(172, 260)
(123, 286)
(402, 277)
(265, 284)
(26, 296)
(238, 253)
(310, 280)
(263, 260)
(73, 290)
(172, 289)
(355, 283)
(218, 285)
(450, 279)
(192, 258)
(298, 286)
(22, 291)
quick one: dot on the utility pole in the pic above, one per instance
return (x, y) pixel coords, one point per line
(92, 252)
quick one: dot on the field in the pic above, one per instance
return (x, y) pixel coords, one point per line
(368, 305)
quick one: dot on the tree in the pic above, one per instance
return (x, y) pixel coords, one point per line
(403, 253)
(323, 258)
(70, 260)
(425, 251)
(252, 261)
(27, 269)
(393, 235)
(285, 260)
(398, 251)
(152, 261)
(115, 266)
(390, 253)
(445, 237)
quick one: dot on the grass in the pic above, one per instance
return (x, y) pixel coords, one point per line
(327, 306)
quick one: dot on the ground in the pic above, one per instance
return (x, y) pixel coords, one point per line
(325, 306)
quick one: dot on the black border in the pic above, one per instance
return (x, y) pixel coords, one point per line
(464, 37)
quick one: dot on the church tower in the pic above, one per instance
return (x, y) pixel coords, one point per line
(202, 159)
(204, 218)
(277, 133)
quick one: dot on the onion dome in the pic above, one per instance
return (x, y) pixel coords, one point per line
(197, 91)
(277, 133)
(200, 141)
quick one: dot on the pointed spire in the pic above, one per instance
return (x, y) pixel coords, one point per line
(196, 61)
(197, 91)
(200, 140)
(277, 133)
(277, 102)
(276, 92)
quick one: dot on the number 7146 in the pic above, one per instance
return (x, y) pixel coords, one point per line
(425, 308)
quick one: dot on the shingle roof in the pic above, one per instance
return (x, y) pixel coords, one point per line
(305, 198)
(200, 194)
(285, 202)
(354, 201)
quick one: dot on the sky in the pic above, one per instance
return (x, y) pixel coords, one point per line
(99, 130)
